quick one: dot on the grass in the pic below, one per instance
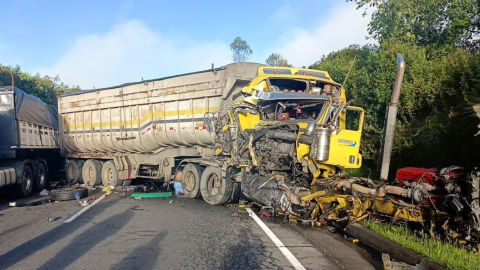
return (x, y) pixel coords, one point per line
(442, 253)
(361, 172)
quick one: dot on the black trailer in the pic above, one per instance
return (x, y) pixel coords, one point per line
(28, 141)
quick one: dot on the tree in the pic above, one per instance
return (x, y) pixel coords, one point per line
(241, 51)
(46, 88)
(277, 60)
(440, 22)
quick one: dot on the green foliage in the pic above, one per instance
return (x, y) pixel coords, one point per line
(46, 88)
(425, 22)
(442, 253)
(277, 60)
(241, 51)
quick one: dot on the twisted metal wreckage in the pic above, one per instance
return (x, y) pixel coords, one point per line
(444, 202)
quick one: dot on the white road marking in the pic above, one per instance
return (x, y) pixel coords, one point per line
(286, 252)
(86, 208)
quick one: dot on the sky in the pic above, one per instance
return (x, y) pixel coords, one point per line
(96, 44)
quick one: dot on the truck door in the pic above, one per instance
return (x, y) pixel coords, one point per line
(345, 145)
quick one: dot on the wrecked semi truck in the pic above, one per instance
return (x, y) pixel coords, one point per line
(267, 132)
(28, 141)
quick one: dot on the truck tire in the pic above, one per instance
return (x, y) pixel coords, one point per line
(214, 188)
(92, 172)
(68, 194)
(236, 193)
(25, 187)
(191, 176)
(41, 177)
(73, 171)
(110, 175)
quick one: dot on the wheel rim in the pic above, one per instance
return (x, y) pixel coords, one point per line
(41, 175)
(27, 179)
(72, 171)
(110, 177)
(90, 173)
(213, 184)
(189, 181)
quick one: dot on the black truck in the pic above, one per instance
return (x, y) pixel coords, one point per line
(28, 141)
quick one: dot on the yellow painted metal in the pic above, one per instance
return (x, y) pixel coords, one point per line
(294, 71)
(357, 208)
(345, 144)
(314, 195)
(218, 151)
(248, 120)
(406, 213)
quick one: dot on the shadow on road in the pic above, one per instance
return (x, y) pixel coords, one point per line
(245, 254)
(143, 257)
(48, 238)
(87, 241)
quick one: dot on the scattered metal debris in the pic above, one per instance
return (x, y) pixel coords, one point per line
(52, 218)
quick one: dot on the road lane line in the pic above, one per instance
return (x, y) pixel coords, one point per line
(286, 252)
(86, 208)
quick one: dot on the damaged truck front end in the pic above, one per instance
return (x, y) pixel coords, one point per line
(288, 136)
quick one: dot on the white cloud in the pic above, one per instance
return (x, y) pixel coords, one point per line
(342, 26)
(131, 51)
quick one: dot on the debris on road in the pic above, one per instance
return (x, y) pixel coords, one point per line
(83, 203)
(152, 195)
(67, 194)
(29, 201)
(177, 186)
(44, 193)
(52, 218)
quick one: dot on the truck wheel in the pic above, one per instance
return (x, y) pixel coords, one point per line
(92, 172)
(74, 171)
(41, 177)
(214, 188)
(25, 187)
(110, 174)
(191, 176)
(68, 194)
(236, 193)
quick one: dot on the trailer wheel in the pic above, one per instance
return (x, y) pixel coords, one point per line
(236, 193)
(68, 194)
(41, 177)
(25, 187)
(191, 176)
(110, 174)
(214, 188)
(92, 172)
(73, 171)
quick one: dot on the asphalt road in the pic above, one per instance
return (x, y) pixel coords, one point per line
(123, 233)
